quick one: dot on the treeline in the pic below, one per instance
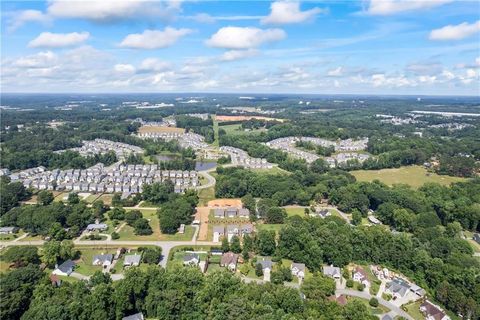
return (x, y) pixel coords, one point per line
(11, 193)
(172, 294)
(436, 259)
(197, 125)
(299, 188)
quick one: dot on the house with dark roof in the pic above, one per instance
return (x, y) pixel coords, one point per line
(397, 287)
(65, 269)
(433, 312)
(331, 271)
(191, 259)
(102, 259)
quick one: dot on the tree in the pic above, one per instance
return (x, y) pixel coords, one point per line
(142, 227)
(22, 255)
(225, 245)
(117, 200)
(73, 198)
(318, 287)
(158, 193)
(266, 242)
(117, 214)
(235, 246)
(276, 277)
(373, 302)
(356, 217)
(45, 197)
(98, 277)
(349, 283)
(275, 215)
(115, 235)
(132, 216)
(99, 208)
(360, 287)
(258, 270)
(151, 255)
(244, 269)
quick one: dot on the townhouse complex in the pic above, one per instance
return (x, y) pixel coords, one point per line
(241, 158)
(101, 146)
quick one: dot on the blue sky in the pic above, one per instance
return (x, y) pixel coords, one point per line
(356, 47)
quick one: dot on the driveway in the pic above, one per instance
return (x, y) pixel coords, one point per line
(366, 295)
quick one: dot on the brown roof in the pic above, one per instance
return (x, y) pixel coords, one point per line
(432, 310)
(228, 257)
(341, 299)
(361, 271)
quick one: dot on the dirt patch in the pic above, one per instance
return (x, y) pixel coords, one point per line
(156, 129)
(237, 203)
(202, 215)
(244, 118)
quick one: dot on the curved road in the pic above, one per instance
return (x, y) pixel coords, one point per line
(366, 295)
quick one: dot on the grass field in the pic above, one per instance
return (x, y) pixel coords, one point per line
(127, 232)
(413, 309)
(375, 311)
(415, 176)
(236, 129)
(205, 195)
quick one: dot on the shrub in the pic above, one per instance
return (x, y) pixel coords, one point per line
(373, 302)
(349, 283)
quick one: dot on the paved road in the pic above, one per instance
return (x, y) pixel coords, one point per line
(366, 295)
(211, 180)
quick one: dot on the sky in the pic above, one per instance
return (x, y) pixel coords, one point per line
(429, 47)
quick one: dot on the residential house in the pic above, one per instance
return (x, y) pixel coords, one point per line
(103, 260)
(231, 212)
(398, 288)
(267, 265)
(97, 227)
(322, 213)
(298, 270)
(229, 260)
(218, 231)
(132, 260)
(219, 213)
(243, 213)
(65, 269)
(136, 316)
(360, 275)
(55, 280)
(232, 230)
(417, 290)
(433, 312)
(8, 230)
(246, 229)
(191, 259)
(476, 237)
(331, 271)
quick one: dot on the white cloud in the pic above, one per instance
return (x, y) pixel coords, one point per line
(232, 55)
(124, 68)
(455, 32)
(58, 40)
(22, 17)
(154, 39)
(244, 38)
(390, 7)
(108, 10)
(285, 12)
(154, 64)
(337, 72)
(39, 60)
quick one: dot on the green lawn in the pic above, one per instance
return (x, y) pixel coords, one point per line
(215, 134)
(205, 195)
(84, 264)
(415, 176)
(127, 232)
(274, 227)
(295, 212)
(91, 198)
(236, 129)
(413, 309)
(375, 311)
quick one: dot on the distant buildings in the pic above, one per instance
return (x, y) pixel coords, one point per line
(121, 178)
(102, 146)
(241, 158)
(349, 147)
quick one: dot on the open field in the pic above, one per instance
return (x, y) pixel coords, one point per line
(202, 215)
(415, 176)
(206, 195)
(236, 129)
(225, 203)
(127, 232)
(245, 118)
(157, 129)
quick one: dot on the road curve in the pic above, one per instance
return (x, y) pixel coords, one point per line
(366, 295)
